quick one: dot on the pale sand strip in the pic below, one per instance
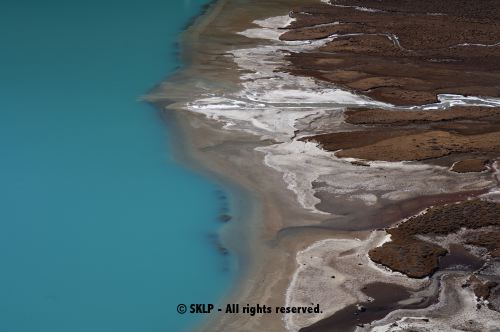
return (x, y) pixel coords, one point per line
(266, 263)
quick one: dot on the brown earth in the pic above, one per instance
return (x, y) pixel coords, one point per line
(413, 257)
(490, 239)
(356, 139)
(470, 165)
(425, 145)
(372, 116)
(446, 219)
(427, 48)
(406, 53)
(396, 135)
(482, 289)
(317, 32)
(416, 258)
(411, 144)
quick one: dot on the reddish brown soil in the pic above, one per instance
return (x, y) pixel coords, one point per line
(356, 139)
(403, 54)
(482, 289)
(470, 165)
(413, 257)
(404, 118)
(416, 258)
(406, 53)
(399, 145)
(490, 239)
(425, 145)
(446, 219)
(396, 135)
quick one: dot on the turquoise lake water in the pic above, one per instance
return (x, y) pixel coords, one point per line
(100, 230)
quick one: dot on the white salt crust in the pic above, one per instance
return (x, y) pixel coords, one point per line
(455, 311)
(272, 104)
(340, 258)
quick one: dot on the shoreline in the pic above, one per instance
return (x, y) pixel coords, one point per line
(278, 219)
(243, 205)
(254, 203)
(256, 249)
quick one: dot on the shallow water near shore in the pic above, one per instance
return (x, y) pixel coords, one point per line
(100, 230)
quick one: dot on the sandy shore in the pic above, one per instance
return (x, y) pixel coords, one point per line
(265, 254)
(266, 259)
(305, 219)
